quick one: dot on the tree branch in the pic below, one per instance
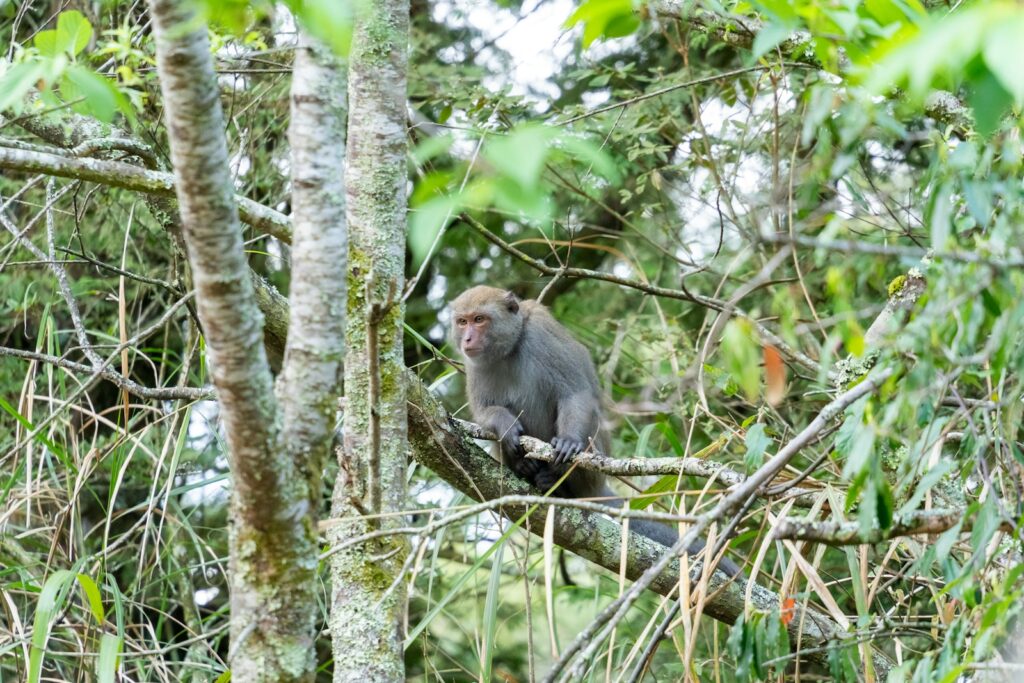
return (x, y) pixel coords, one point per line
(693, 466)
(913, 523)
(130, 177)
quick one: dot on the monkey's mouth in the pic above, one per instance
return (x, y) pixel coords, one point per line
(472, 351)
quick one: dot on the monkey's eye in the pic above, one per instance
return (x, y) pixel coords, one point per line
(479, 319)
(461, 322)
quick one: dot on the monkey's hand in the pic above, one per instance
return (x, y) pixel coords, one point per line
(513, 454)
(565, 447)
(546, 478)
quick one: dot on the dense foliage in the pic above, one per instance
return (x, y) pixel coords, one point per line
(739, 192)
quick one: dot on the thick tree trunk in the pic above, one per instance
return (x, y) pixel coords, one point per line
(272, 536)
(368, 605)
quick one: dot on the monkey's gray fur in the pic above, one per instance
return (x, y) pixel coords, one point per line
(525, 374)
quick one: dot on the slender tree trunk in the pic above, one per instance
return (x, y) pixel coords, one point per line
(273, 550)
(368, 605)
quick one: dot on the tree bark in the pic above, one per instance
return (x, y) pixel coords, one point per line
(368, 604)
(271, 538)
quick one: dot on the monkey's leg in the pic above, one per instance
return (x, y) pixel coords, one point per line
(547, 476)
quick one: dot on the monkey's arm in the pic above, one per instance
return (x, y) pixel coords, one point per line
(501, 421)
(577, 423)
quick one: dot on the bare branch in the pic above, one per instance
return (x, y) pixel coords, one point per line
(131, 177)
(850, 533)
(696, 465)
(116, 378)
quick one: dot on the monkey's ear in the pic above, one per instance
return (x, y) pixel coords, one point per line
(511, 302)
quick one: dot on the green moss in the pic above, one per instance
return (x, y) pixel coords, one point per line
(896, 285)
(381, 35)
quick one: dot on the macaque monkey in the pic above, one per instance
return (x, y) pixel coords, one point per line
(526, 375)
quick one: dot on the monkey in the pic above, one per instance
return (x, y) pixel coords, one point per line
(527, 375)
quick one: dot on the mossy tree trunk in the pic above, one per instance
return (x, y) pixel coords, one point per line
(276, 455)
(368, 604)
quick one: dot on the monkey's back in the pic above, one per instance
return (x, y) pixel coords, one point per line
(548, 365)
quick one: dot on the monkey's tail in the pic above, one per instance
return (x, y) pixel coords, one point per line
(667, 536)
(563, 567)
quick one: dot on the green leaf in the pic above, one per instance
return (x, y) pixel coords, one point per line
(73, 32)
(431, 147)
(521, 154)
(100, 98)
(858, 459)
(757, 443)
(769, 37)
(941, 217)
(92, 594)
(985, 525)
(491, 612)
(646, 498)
(621, 25)
(54, 591)
(328, 20)
(989, 100)
(426, 222)
(589, 153)
(742, 356)
(885, 12)
(534, 204)
(1003, 51)
(607, 18)
(46, 43)
(643, 439)
(106, 665)
(946, 540)
(18, 81)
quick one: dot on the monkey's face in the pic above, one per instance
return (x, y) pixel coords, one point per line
(486, 323)
(471, 330)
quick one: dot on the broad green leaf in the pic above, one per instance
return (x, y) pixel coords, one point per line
(604, 18)
(621, 25)
(944, 543)
(18, 81)
(941, 218)
(101, 99)
(588, 153)
(769, 37)
(431, 147)
(742, 356)
(989, 100)
(328, 20)
(234, 15)
(73, 32)
(985, 525)
(534, 204)
(885, 12)
(46, 43)
(521, 154)
(861, 450)
(426, 222)
(757, 442)
(646, 498)
(1003, 50)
